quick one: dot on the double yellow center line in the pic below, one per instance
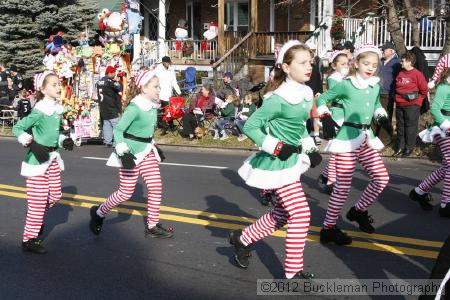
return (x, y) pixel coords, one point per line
(376, 242)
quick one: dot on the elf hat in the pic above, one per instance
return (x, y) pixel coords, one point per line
(368, 48)
(284, 49)
(143, 77)
(38, 79)
(441, 66)
(335, 54)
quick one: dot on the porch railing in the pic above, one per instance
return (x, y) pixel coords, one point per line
(234, 59)
(191, 49)
(375, 30)
(265, 43)
(232, 38)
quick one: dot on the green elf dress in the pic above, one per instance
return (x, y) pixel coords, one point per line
(360, 99)
(45, 121)
(441, 103)
(336, 109)
(139, 119)
(282, 117)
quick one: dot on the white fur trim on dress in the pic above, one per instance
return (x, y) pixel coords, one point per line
(266, 179)
(25, 139)
(339, 122)
(428, 135)
(114, 160)
(145, 104)
(308, 145)
(345, 146)
(445, 125)
(431, 84)
(49, 106)
(122, 148)
(294, 92)
(269, 144)
(379, 112)
(323, 109)
(29, 170)
(361, 83)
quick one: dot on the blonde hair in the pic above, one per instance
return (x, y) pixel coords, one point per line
(363, 55)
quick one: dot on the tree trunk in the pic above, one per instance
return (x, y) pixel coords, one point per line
(415, 37)
(447, 41)
(394, 27)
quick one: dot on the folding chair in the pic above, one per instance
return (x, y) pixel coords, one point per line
(7, 116)
(174, 111)
(190, 84)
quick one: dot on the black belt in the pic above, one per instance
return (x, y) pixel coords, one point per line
(49, 149)
(354, 125)
(136, 138)
(445, 112)
(338, 105)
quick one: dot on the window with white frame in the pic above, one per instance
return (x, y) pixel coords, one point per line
(237, 15)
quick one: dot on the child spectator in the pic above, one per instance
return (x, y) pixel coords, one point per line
(410, 90)
(247, 108)
(22, 104)
(227, 113)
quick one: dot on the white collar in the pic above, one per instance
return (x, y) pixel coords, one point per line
(294, 92)
(336, 76)
(145, 104)
(361, 83)
(49, 106)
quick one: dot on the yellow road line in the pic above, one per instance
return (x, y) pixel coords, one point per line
(211, 215)
(209, 223)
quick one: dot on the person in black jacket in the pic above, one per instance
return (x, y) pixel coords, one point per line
(110, 105)
(4, 85)
(17, 82)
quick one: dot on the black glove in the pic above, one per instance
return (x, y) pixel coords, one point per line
(286, 151)
(39, 152)
(160, 153)
(328, 127)
(68, 144)
(127, 160)
(315, 158)
(384, 123)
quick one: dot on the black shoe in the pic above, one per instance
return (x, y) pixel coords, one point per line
(241, 252)
(41, 232)
(33, 245)
(397, 153)
(158, 231)
(362, 218)
(96, 221)
(322, 180)
(304, 275)
(407, 153)
(424, 200)
(334, 235)
(445, 211)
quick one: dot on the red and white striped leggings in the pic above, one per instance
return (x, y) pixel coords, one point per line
(330, 169)
(442, 173)
(345, 168)
(292, 208)
(149, 170)
(43, 192)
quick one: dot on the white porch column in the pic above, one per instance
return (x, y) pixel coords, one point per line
(327, 14)
(162, 28)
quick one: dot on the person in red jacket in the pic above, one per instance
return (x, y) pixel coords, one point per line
(410, 90)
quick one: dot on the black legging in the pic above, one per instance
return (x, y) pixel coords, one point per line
(190, 122)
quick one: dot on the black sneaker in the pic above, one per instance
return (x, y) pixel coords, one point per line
(362, 218)
(334, 235)
(445, 211)
(158, 231)
(96, 221)
(33, 245)
(41, 232)
(424, 200)
(303, 275)
(241, 252)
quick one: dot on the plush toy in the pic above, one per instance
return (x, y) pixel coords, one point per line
(102, 19)
(181, 32)
(212, 32)
(55, 43)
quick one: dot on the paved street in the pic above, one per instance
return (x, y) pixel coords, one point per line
(203, 198)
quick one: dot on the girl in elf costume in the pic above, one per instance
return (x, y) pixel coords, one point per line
(359, 95)
(339, 63)
(40, 132)
(136, 154)
(439, 133)
(278, 128)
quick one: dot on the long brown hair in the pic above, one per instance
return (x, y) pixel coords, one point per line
(40, 95)
(443, 77)
(279, 75)
(134, 90)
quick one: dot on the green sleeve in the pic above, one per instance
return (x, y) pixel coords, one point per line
(438, 103)
(27, 122)
(130, 113)
(228, 110)
(331, 83)
(332, 94)
(255, 126)
(252, 109)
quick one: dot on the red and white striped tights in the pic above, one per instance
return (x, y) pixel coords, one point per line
(149, 170)
(345, 168)
(442, 173)
(292, 208)
(43, 192)
(330, 169)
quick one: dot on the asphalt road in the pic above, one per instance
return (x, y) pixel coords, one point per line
(203, 199)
